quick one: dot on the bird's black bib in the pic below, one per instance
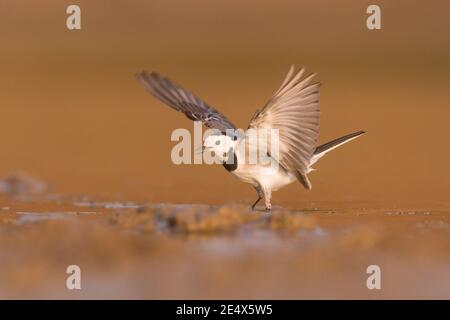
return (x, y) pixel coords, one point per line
(233, 165)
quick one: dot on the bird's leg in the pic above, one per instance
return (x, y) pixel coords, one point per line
(267, 198)
(256, 202)
(260, 195)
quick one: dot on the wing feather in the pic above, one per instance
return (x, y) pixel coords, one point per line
(294, 110)
(183, 101)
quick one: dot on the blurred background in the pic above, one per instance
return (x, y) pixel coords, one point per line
(73, 115)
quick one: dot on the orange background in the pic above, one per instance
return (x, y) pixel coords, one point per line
(73, 114)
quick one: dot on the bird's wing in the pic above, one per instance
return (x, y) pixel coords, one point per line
(293, 110)
(182, 100)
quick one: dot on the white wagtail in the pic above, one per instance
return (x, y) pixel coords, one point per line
(293, 111)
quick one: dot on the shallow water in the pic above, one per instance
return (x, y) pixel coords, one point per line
(161, 250)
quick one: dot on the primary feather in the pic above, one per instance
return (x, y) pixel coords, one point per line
(183, 101)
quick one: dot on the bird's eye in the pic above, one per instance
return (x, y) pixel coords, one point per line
(217, 142)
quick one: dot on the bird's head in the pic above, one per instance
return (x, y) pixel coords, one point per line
(220, 146)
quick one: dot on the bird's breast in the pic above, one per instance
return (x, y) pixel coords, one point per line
(266, 176)
(231, 166)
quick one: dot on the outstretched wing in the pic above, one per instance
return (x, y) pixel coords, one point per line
(293, 110)
(182, 100)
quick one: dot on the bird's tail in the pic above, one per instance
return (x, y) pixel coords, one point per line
(326, 147)
(321, 151)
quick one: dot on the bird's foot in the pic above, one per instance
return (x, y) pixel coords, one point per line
(268, 208)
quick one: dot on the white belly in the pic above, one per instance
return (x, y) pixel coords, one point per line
(269, 177)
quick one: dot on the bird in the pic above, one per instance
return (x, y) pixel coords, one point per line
(293, 110)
